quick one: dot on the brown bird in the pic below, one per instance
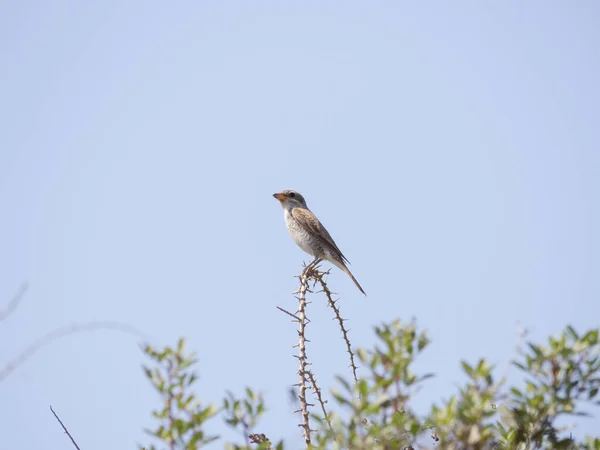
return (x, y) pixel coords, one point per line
(310, 234)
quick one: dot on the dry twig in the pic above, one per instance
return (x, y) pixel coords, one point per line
(289, 314)
(60, 333)
(65, 428)
(12, 305)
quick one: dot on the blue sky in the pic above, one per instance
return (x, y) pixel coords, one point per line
(451, 149)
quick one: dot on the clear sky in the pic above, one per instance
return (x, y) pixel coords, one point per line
(452, 149)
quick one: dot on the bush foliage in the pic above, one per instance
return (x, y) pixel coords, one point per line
(375, 413)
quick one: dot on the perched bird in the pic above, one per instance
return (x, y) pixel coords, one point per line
(310, 235)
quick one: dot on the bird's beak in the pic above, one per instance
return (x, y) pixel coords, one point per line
(279, 196)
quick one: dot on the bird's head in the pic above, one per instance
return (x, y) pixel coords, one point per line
(290, 199)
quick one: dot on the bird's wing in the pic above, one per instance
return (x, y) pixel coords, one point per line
(309, 221)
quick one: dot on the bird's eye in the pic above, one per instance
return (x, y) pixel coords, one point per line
(292, 194)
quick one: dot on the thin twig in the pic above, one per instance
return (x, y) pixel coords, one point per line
(333, 303)
(289, 313)
(60, 333)
(65, 428)
(12, 305)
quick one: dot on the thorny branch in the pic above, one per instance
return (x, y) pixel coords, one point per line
(307, 379)
(313, 382)
(65, 428)
(333, 303)
(302, 358)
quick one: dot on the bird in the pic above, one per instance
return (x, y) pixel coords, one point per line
(310, 234)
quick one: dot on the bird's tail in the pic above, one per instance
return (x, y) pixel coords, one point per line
(343, 266)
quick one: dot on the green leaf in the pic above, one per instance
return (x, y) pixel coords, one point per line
(520, 366)
(467, 368)
(363, 388)
(591, 337)
(535, 349)
(516, 392)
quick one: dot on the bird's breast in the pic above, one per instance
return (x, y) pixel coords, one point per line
(302, 237)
